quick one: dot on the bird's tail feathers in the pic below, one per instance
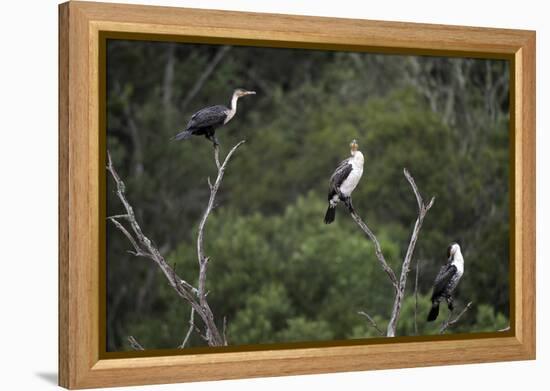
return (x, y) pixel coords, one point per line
(331, 214)
(183, 135)
(434, 312)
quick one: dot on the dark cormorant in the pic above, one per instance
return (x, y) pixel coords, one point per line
(207, 120)
(446, 281)
(343, 181)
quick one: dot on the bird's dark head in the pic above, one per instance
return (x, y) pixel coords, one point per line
(239, 92)
(452, 249)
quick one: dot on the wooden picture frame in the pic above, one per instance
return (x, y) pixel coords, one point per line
(81, 167)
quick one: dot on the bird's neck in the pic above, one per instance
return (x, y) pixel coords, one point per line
(458, 260)
(234, 100)
(232, 110)
(358, 159)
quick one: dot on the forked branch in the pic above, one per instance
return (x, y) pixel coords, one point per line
(398, 285)
(144, 247)
(377, 249)
(405, 267)
(451, 321)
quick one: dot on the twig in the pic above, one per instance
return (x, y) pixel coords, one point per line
(422, 210)
(123, 216)
(217, 159)
(416, 297)
(371, 321)
(134, 343)
(448, 323)
(190, 330)
(377, 249)
(224, 330)
(138, 250)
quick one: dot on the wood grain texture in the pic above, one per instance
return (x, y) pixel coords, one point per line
(63, 220)
(81, 161)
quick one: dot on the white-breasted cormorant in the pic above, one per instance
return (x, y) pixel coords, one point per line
(207, 120)
(446, 280)
(343, 181)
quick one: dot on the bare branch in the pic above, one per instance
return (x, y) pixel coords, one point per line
(190, 330)
(217, 160)
(134, 343)
(212, 333)
(399, 286)
(123, 216)
(143, 245)
(415, 188)
(213, 191)
(364, 227)
(416, 297)
(448, 323)
(138, 250)
(371, 321)
(400, 294)
(224, 331)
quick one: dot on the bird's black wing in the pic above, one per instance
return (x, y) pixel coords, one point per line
(209, 116)
(340, 174)
(443, 278)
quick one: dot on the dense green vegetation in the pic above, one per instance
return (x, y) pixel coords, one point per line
(277, 272)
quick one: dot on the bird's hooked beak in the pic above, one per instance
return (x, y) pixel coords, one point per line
(248, 93)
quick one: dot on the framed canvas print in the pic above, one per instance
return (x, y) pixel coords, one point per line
(247, 195)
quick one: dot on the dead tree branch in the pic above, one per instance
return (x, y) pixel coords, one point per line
(190, 330)
(143, 246)
(422, 210)
(416, 297)
(134, 343)
(377, 249)
(371, 321)
(450, 322)
(399, 286)
(224, 331)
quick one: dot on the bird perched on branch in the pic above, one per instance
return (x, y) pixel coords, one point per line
(446, 280)
(343, 181)
(205, 121)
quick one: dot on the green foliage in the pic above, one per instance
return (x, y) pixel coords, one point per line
(277, 272)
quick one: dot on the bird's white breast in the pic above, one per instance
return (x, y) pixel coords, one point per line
(230, 114)
(350, 183)
(458, 262)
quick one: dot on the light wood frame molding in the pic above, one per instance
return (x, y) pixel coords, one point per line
(81, 162)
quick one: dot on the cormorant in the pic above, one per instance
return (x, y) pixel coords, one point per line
(446, 281)
(343, 181)
(207, 120)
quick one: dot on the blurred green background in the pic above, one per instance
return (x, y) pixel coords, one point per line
(277, 272)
